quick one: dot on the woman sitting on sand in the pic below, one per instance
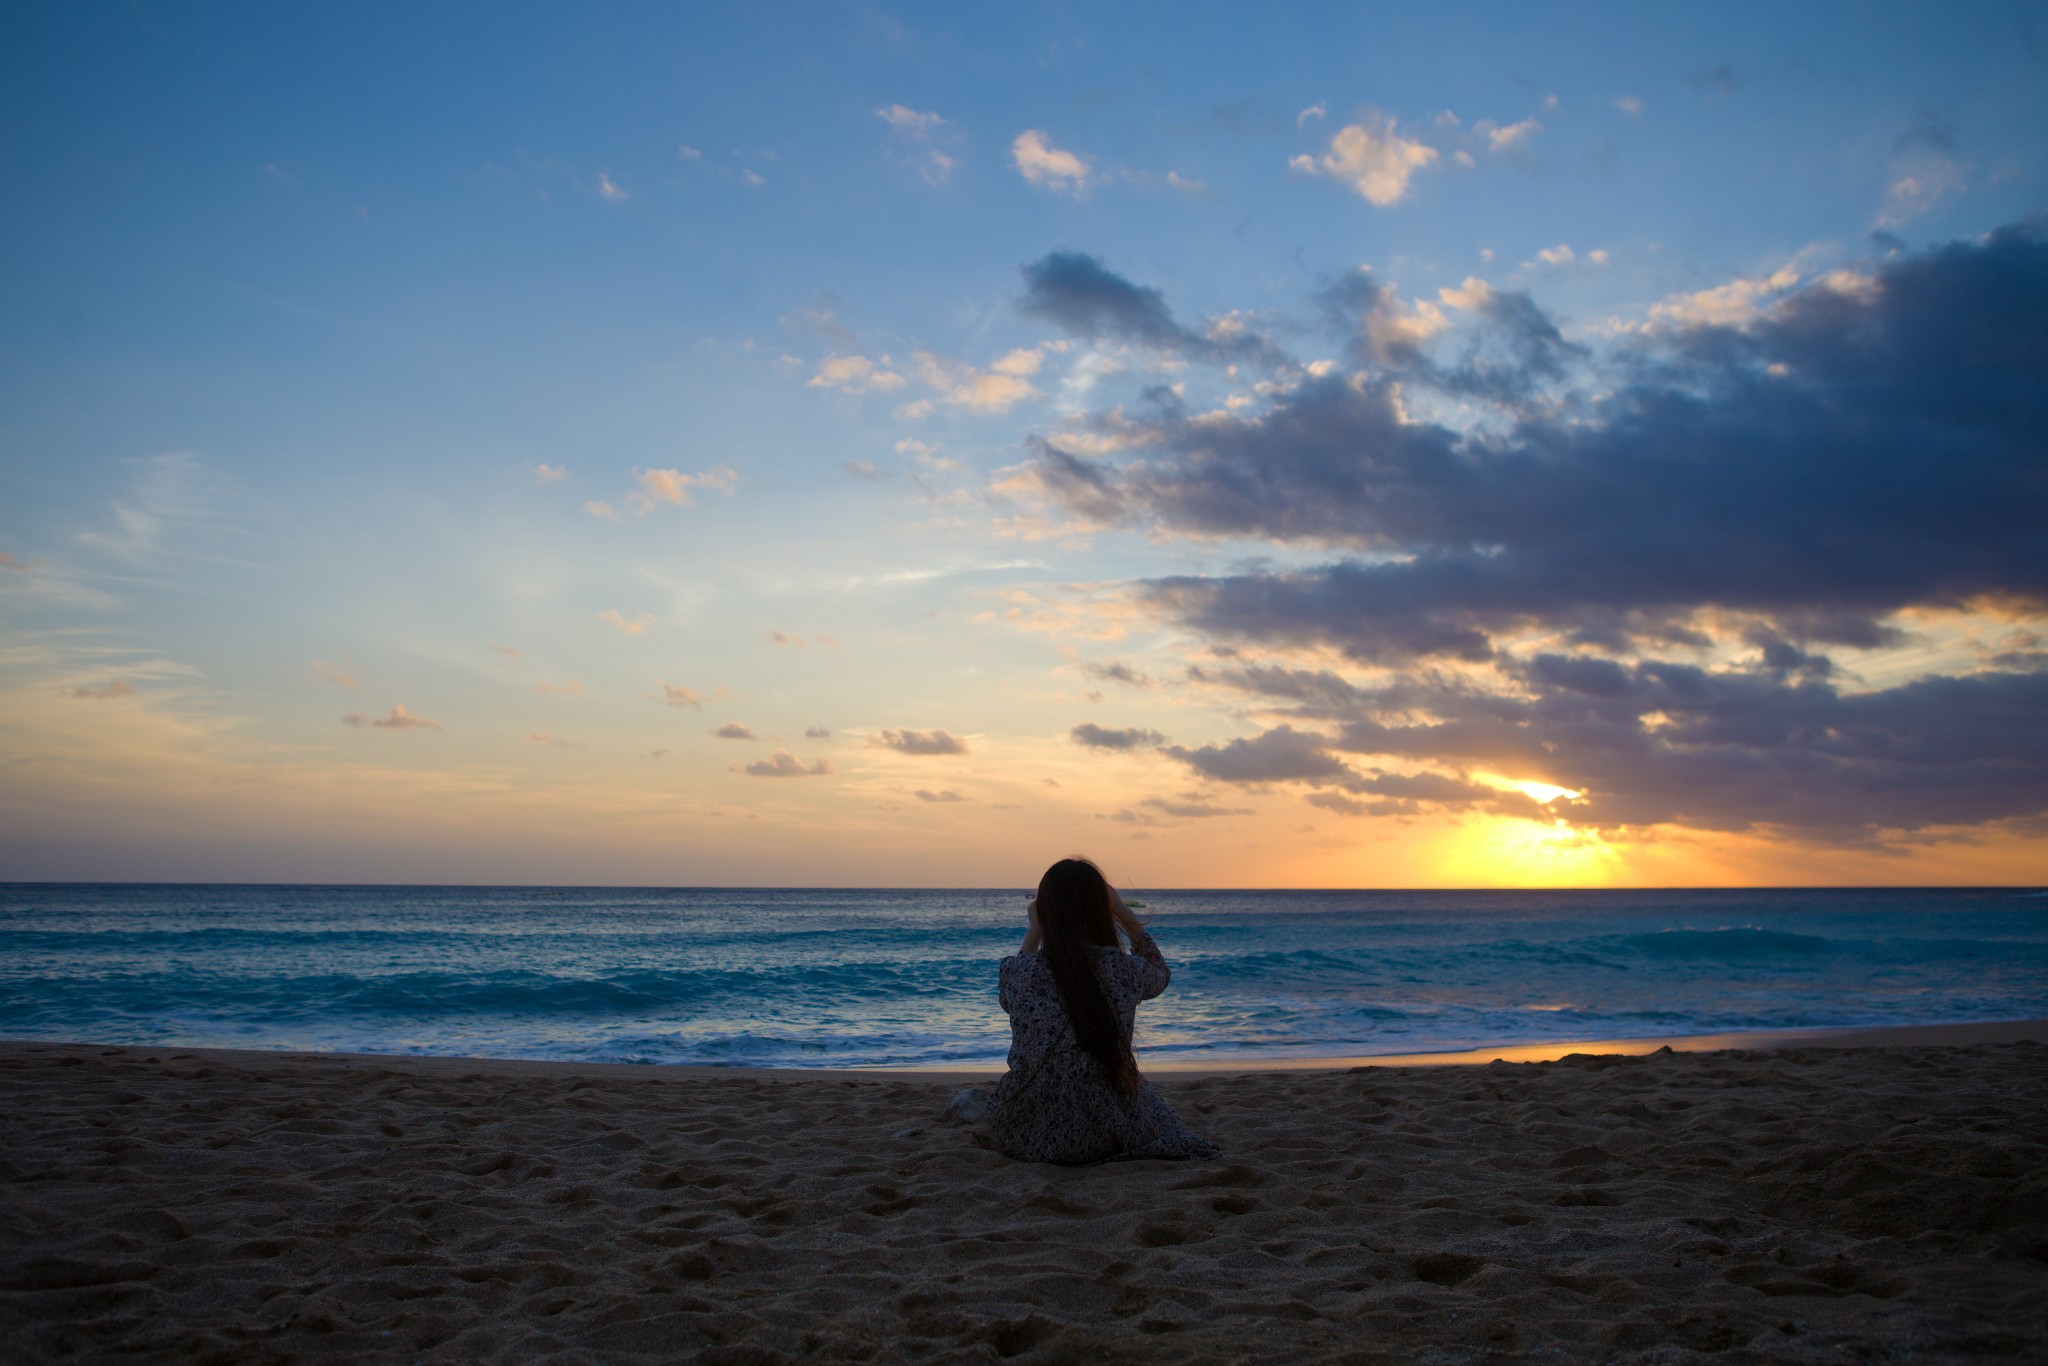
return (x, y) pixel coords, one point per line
(1073, 1093)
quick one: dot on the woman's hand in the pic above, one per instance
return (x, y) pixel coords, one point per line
(1033, 935)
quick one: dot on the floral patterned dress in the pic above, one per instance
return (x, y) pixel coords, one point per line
(1055, 1104)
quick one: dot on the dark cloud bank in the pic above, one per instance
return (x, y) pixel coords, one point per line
(1789, 485)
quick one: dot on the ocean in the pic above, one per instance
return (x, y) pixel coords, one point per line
(864, 978)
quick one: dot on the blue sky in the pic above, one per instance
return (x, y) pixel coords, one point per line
(900, 389)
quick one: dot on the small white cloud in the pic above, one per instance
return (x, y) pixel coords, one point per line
(689, 153)
(864, 469)
(1374, 159)
(609, 189)
(1508, 139)
(398, 718)
(1047, 166)
(1629, 105)
(997, 389)
(549, 474)
(855, 375)
(603, 510)
(635, 625)
(673, 486)
(1186, 184)
(1598, 256)
(787, 765)
(1559, 255)
(1318, 110)
(676, 696)
(1729, 305)
(329, 673)
(920, 129)
(1472, 294)
(751, 180)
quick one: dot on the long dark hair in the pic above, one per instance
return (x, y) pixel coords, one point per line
(1074, 914)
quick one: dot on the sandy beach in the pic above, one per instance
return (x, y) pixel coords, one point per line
(1807, 1203)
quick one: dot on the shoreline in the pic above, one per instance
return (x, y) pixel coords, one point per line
(1888, 1036)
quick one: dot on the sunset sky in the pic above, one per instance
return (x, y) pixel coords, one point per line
(1377, 446)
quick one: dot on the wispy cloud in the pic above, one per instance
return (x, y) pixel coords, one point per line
(105, 693)
(920, 132)
(1130, 738)
(573, 688)
(635, 625)
(608, 189)
(1048, 167)
(785, 638)
(329, 673)
(940, 797)
(9, 561)
(677, 696)
(549, 474)
(783, 764)
(398, 718)
(673, 486)
(856, 375)
(922, 742)
(509, 651)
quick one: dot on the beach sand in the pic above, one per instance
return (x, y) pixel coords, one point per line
(1805, 1204)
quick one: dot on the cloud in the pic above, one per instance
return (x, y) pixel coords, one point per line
(786, 765)
(104, 693)
(1046, 166)
(1315, 111)
(997, 389)
(602, 510)
(920, 132)
(855, 375)
(817, 733)
(784, 638)
(1636, 605)
(733, 730)
(677, 696)
(752, 180)
(329, 673)
(1373, 158)
(635, 625)
(1501, 140)
(609, 190)
(541, 737)
(573, 688)
(673, 486)
(1194, 810)
(1629, 105)
(1734, 304)
(1282, 754)
(1814, 467)
(549, 474)
(942, 796)
(1099, 737)
(1117, 671)
(923, 742)
(1080, 295)
(398, 718)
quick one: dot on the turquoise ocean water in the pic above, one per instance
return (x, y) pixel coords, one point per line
(811, 978)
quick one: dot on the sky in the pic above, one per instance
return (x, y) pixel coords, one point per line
(900, 445)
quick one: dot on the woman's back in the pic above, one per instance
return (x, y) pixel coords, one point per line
(1058, 1103)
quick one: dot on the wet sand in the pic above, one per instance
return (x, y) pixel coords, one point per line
(1810, 1203)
